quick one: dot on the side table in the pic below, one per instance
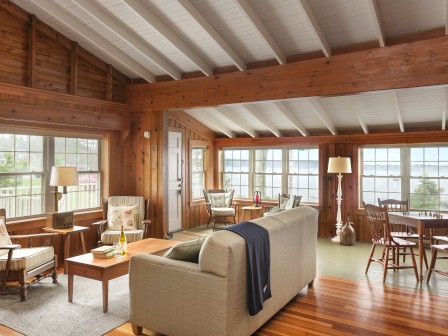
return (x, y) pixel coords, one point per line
(66, 234)
(251, 212)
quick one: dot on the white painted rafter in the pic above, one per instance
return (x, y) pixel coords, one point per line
(261, 30)
(90, 35)
(240, 123)
(207, 118)
(128, 36)
(291, 117)
(213, 33)
(398, 110)
(169, 35)
(322, 115)
(376, 17)
(315, 27)
(354, 103)
(256, 114)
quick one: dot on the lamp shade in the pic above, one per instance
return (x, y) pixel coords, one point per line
(339, 165)
(63, 176)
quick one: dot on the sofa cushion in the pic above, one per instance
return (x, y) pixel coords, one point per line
(186, 251)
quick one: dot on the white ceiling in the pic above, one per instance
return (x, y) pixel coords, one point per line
(150, 38)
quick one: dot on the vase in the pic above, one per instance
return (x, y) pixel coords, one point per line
(348, 236)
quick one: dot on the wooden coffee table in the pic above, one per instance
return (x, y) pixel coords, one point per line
(87, 266)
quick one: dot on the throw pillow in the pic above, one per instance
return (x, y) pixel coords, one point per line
(289, 203)
(186, 251)
(122, 215)
(217, 200)
(4, 236)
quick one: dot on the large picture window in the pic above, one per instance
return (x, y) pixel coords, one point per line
(418, 173)
(272, 171)
(25, 164)
(197, 172)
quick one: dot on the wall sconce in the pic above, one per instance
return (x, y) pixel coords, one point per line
(147, 134)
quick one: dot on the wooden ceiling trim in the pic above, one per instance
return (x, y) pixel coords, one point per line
(402, 66)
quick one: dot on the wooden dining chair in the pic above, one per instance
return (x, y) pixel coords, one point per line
(380, 229)
(432, 266)
(400, 230)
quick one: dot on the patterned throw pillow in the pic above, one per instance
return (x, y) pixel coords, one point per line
(122, 215)
(4, 236)
(186, 251)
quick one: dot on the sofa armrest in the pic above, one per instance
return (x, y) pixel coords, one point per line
(163, 290)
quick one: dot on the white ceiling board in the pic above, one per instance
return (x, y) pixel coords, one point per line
(402, 17)
(304, 112)
(378, 109)
(340, 112)
(344, 22)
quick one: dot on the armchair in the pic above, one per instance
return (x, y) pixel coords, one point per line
(219, 204)
(285, 202)
(24, 265)
(130, 211)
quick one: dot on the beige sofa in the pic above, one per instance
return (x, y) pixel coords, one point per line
(175, 297)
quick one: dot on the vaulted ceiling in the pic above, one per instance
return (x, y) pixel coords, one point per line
(158, 40)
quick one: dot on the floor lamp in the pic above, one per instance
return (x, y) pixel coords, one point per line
(339, 165)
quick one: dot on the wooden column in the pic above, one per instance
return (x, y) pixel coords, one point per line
(32, 51)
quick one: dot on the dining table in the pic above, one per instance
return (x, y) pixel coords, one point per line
(421, 221)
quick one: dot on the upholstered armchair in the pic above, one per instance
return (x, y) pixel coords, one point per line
(219, 203)
(130, 211)
(284, 202)
(24, 265)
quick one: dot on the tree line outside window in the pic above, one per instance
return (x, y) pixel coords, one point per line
(418, 173)
(272, 171)
(25, 166)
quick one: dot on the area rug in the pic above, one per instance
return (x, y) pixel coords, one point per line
(47, 311)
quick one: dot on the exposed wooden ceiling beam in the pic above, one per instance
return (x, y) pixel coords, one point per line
(169, 35)
(89, 34)
(376, 17)
(291, 117)
(261, 30)
(315, 27)
(240, 122)
(256, 114)
(398, 110)
(322, 115)
(209, 120)
(213, 33)
(367, 70)
(128, 36)
(354, 103)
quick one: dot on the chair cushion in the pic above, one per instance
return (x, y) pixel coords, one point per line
(109, 237)
(282, 201)
(289, 204)
(28, 258)
(223, 211)
(121, 215)
(4, 236)
(186, 251)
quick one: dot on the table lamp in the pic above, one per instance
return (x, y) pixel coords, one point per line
(339, 165)
(62, 177)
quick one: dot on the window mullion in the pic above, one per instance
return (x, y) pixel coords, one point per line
(405, 158)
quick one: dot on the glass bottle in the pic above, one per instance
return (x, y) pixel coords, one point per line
(122, 241)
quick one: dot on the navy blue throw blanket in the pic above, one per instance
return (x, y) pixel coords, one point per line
(258, 257)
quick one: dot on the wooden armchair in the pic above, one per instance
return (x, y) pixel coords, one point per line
(219, 203)
(24, 266)
(130, 211)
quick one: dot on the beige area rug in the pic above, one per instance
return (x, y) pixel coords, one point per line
(187, 235)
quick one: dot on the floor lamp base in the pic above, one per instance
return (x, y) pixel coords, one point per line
(336, 239)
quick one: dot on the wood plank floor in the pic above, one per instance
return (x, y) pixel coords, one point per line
(344, 301)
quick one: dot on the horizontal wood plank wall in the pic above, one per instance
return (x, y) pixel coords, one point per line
(35, 55)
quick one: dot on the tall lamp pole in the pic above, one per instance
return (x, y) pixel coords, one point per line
(339, 165)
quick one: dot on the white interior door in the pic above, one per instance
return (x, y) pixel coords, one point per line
(175, 181)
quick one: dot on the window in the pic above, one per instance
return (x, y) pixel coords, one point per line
(197, 172)
(272, 171)
(419, 173)
(25, 164)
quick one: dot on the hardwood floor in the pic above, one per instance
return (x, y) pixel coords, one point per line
(344, 301)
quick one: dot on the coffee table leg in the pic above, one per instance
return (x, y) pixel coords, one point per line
(66, 251)
(70, 287)
(105, 295)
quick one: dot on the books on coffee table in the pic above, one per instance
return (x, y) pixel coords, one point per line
(104, 251)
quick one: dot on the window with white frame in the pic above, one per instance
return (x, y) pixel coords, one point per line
(197, 172)
(236, 171)
(272, 171)
(416, 172)
(25, 164)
